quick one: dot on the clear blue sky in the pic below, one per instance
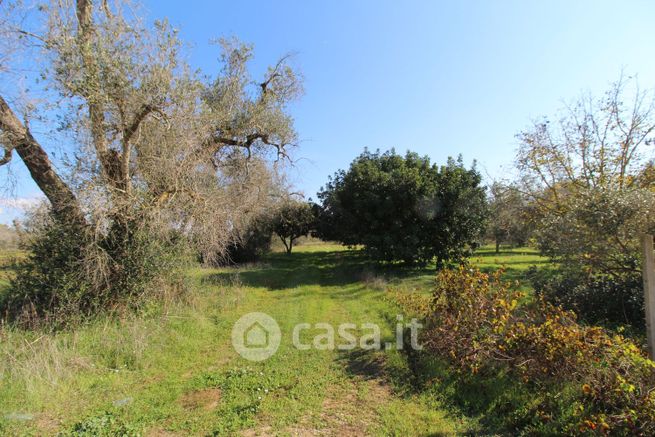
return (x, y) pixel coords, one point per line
(440, 78)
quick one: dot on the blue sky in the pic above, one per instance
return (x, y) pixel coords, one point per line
(440, 78)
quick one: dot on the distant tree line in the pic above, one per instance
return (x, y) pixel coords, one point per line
(510, 216)
(8, 237)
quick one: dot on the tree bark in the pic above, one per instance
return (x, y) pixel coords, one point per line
(65, 205)
(288, 246)
(113, 169)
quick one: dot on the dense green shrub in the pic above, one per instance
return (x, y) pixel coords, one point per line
(596, 229)
(404, 208)
(69, 274)
(572, 379)
(597, 299)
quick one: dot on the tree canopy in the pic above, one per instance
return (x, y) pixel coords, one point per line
(155, 151)
(293, 219)
(404, 208)
(589, 179)
(509, 215)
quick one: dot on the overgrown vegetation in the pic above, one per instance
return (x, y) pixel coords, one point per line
(571, 379)
(170, 367)
(613, 301)
(57, 283)
(163, 164)
(251, 242)
(587, 192)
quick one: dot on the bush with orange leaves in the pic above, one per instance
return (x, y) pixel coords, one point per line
(478, 323)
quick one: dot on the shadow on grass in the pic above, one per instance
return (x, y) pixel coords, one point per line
(502, 404)
(364, 364)
(329, 268)
(499, 404)
(413, 375)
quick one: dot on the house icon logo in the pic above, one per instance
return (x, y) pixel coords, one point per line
(256, 336)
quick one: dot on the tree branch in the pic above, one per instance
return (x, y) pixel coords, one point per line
(64, 203)
(146, 110)
(247, 142)
(85, 31)
(274, 74)
(7, 156)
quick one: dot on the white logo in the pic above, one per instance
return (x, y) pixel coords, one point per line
(256, 336)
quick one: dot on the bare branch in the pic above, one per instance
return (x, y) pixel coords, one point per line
(275, 73)
(106, 10)
(138, 119)
(217, 141)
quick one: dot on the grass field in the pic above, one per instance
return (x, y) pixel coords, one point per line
(7, 257)
(171, 370)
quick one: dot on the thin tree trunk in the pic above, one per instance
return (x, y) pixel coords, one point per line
(286, 246)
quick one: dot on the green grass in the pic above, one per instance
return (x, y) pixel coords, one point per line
(171, 369)
(514, 261)
(7, 257)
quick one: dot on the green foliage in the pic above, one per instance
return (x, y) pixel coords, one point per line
(607, 300)
(570, 379)
(404, 208)
(293, 220)
(594, 236)
(597, 230)
(105, 425)
(49, 280)
(589, 176)
(67, 277)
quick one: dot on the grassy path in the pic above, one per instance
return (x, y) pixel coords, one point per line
(175, 372)
(326, 392)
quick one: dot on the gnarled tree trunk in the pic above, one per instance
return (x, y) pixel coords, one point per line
(65, 205)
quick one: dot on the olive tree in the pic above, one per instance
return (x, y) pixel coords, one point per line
(152, 146)
(509, 216)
